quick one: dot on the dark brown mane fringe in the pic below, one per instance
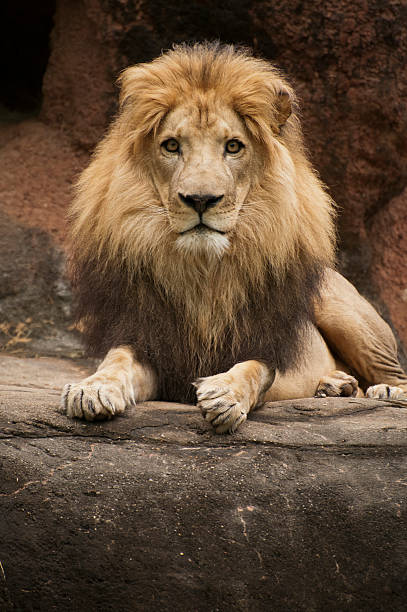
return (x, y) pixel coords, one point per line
(114, 311)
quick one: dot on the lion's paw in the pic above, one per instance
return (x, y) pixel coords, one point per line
(337, 384)
(221, 403)
(386, 392)
(92, 400)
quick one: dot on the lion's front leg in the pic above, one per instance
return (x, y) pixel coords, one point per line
(119, 381)
(226, 399)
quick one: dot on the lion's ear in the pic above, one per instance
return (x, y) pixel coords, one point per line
(283, 108)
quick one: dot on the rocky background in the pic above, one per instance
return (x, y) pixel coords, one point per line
(59, 64)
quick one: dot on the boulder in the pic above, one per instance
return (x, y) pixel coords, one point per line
(389, 261)
(302, 509)
(38, 166)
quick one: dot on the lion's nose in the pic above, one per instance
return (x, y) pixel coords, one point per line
(200, 202)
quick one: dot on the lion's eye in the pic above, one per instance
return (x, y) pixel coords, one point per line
(171, 145)
(233, 146)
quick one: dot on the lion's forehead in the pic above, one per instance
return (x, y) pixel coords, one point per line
(193, 122)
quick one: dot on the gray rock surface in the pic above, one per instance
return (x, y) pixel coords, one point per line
(302, 509)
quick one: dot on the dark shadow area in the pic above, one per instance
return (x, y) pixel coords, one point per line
(25, 28)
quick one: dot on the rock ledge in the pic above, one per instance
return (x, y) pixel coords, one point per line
(302, 509)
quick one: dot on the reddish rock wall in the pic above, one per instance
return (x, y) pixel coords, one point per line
(78, 85)
(347, 60)
(38, 165)
(389, 265)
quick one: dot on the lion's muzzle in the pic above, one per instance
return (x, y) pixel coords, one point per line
(199, 202)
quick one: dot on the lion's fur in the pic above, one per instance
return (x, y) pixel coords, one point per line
(190, 314)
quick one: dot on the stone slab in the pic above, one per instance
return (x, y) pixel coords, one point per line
(302, 509)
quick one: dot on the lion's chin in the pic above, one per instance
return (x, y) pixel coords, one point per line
(198, 242)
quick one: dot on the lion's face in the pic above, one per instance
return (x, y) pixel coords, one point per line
(203, 175)
(203, 162)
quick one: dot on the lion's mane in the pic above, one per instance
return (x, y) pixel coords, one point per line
(185, 314)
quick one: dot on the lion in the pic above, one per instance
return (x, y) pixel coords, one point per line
(203, 251)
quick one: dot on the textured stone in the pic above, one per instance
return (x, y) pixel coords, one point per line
(38, 165)
(78, 85)
(302, 509)
(390, 261)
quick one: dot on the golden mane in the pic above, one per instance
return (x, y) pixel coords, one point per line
(119, 226)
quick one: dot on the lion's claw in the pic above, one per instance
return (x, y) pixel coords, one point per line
(220, 404)
(337, 384)
(92, 401)
(385, 392)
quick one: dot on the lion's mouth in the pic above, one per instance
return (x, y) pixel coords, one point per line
(201, 228)
(201, 239)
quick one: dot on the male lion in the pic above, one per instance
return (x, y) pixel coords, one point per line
(203, 248)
